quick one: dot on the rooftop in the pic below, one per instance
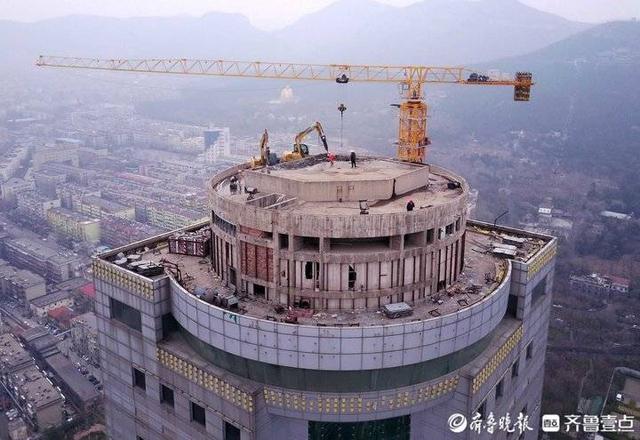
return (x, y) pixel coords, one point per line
(51, 298)
(67, 373)
(37, 249)
(484, 271)
(38, 390)
(12, 353)
(20, 277)
(103, 204)
(313, 186)
(73, 215)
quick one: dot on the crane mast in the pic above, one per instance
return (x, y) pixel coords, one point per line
(412, 127)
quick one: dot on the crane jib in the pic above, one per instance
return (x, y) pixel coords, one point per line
(412, 133)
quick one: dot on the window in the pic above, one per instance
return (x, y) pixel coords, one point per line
(166, 395)
(396, 428)
(530, 350)
(539, 291)
(308, 270)
(482, 409)
(449, 229)
(311, 243)
(500, 389)
(125, 314)
(430, 236)
(458, 223)
(514, 369)
(231, 432)
(284, 241)
(258, 290)
(352, 277)
(198, 414)
(139, 379)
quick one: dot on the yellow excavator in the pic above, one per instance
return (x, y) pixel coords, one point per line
(264, 152)
(301, 150)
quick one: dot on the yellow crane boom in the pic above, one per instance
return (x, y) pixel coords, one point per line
(412, 133)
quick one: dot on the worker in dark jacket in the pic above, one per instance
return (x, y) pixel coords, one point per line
(410, 205)
(353, 159)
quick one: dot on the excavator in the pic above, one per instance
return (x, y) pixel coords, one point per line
(264, 152)
(301, 150)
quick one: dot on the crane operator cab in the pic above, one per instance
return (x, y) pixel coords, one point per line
(342, 79)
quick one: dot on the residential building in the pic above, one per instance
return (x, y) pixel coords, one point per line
(599, 284)
(12, 161)
(56, 266)
(74, 225)
(12, 426)
(38, 399)
(75, 386)
(116, 231)
(97, 207)
(59, 153)
(20, 284)
(40, 307)
(34, 205)
(12, 187)
(217, 142)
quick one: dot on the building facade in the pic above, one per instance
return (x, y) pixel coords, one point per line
(38, 399)
(600, 285)
(21, 284)
(41, 306)
(74, 225)
(287, 329)
(32, 255)
(217, 143)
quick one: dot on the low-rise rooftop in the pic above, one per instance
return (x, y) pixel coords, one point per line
(51, 298)
(38, 390)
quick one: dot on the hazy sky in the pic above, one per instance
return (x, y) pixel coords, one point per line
(270, 14)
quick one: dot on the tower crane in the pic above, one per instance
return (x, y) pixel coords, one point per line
(412, 130)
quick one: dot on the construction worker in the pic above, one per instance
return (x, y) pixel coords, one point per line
(353, 159)
(410, 205)
(331, 157)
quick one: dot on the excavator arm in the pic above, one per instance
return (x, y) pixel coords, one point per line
(263, 145)
(264, 157)
(304, 133)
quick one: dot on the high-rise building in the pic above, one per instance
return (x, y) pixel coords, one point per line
(217, 142)
(332, 302)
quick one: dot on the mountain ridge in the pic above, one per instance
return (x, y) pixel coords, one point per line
(346, 31)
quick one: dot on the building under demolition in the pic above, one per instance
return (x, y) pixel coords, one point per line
(330, 302)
